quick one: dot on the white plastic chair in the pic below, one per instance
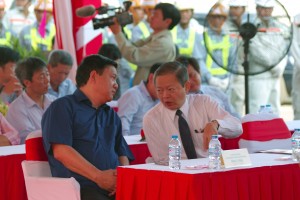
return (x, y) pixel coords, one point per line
(38, 178)
(264, 132)
(41, 185)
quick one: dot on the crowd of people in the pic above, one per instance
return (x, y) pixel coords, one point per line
(164, 70)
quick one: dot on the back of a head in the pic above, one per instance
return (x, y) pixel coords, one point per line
(26, 68)
(60, 57)
(175, 68)
(169, 11)
(186, 61)
(110, 51)
(8, 55)
(92, 63)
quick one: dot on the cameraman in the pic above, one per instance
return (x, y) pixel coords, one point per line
(158, 47)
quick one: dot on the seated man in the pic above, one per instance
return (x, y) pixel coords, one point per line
(10, 86)
(195, 79)
(136, 102)
(83, 136)
(196, 117)
(25, 112)
(60, 63)
(8, 134)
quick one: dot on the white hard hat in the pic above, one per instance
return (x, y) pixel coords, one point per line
(149, 3)
(113, 3)
(237, 3)
(265, 3)
(182, 5)
(43, 5)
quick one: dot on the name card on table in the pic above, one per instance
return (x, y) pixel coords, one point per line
(236, 158)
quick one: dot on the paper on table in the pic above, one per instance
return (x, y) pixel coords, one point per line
(278, 151)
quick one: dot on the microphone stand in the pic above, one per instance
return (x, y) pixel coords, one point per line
(247, 31)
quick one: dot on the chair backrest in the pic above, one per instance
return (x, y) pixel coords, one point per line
(41, 185)
(265, 134)
(34, 146)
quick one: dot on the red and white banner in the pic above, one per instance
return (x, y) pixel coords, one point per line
(75, 34)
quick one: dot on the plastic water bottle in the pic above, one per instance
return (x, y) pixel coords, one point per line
(174, 153)
(268, 109)
(296, 145)
(214, 153)
(261, 108)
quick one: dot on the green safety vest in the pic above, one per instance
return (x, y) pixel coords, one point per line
(211, 47)
(36, 39)
(6, 40)
(191, 41)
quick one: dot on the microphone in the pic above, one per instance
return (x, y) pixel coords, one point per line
(86, 11)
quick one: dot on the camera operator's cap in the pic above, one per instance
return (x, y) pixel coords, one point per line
(43, 5)
(237, 3)
(182, 5)
(218, 10)
(265, 3)
(2, 4)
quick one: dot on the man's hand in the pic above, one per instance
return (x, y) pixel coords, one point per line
(107, 180)
(210, 129)
(115, 28)
(12, 86)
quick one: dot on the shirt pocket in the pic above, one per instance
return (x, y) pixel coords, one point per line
(107, 137)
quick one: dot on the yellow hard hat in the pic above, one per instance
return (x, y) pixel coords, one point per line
(135, 4)
(218, 9)
(2, 4)
(43, 5)
(149, 3)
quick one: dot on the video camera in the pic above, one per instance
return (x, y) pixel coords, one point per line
(106, 16)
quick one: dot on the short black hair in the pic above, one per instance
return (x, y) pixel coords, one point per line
(153, 69)
(110, 51)
(90, 63)
(186, 60)
(27, 67)
(60, 57)
(175, 68)
(8, 55)
(169, 11)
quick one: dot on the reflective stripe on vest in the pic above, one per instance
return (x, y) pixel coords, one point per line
(144, 29)
(36, 39)
(190, 43)
(224, 46)
(6, 40)
(127, 32)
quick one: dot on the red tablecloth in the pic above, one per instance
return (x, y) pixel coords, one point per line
(12, 185)
(280, 182)
(140, 152)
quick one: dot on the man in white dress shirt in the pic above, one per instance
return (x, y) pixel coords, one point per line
(204, 115)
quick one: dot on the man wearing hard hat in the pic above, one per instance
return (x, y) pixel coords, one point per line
(6, 35)
(232, 24)
(40, 35)
(266, 49)
(19, 16)
(185, 36)
(218, 43)
(295, 50)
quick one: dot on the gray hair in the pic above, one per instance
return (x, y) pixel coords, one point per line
(60, 57)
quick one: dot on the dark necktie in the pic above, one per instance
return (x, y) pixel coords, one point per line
(186, 137)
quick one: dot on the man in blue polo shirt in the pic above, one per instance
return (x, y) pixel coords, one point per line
(83, 136)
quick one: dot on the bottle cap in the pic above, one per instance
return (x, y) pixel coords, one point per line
(174, 136)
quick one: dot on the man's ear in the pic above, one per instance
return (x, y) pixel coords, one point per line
(168, 21)
(27, 83)
(93, 76)
(187, 86)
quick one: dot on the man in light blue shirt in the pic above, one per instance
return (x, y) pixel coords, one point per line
(195, 79)
(135, 102)
(60, 63)
(26, 111)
